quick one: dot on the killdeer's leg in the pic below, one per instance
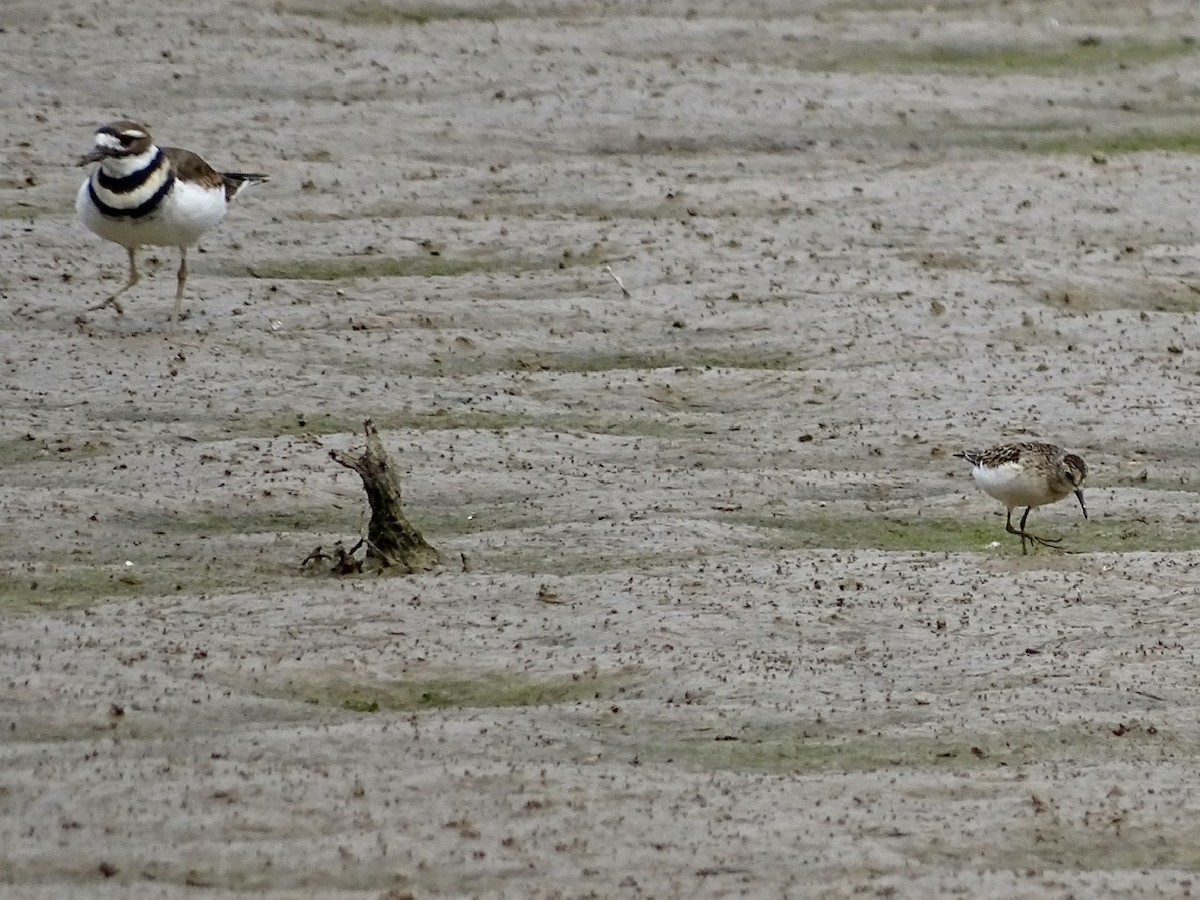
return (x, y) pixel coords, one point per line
(180, 281)
(132, 280)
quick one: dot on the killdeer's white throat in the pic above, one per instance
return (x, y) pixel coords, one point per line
(1029, 475)
(142, 194)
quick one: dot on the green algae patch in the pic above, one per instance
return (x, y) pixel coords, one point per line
(479, 691)
(889, 532)
(1086, 54)
(373, 14)
(819, 748)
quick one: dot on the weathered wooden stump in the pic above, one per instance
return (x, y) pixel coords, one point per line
(392, 541)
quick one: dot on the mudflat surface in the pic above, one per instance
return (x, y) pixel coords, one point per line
(720, 613)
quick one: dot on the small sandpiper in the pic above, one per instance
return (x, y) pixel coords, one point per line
(1029, 475)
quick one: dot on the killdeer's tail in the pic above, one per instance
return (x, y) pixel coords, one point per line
(236, 182)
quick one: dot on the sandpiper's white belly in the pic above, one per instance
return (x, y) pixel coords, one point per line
(1014, 485)
(185, 214)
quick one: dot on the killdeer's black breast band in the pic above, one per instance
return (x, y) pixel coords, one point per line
(135, 212)
(133, 180)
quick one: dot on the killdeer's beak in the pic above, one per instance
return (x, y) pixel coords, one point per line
(1082, 505)
(97, 154)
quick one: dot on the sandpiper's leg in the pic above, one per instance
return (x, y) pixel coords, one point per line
(132, 280)
(1052, 543)
(180, 281)
(1008, 526)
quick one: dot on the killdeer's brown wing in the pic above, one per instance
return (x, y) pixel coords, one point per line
(236, 181)
(190, 167)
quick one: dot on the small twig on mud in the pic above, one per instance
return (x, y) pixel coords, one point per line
(343, 560)
(317, 555)
(346, 563)
(1150, 695)
(617, 278)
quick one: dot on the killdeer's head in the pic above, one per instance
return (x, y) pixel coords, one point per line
(118, 140)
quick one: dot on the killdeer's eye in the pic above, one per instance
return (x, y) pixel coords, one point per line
(125, 139)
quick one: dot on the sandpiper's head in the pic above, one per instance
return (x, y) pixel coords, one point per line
(118, 140)
(1074, 471)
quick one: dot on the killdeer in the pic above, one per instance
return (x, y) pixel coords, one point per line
(1029, 475)
(143, 194)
